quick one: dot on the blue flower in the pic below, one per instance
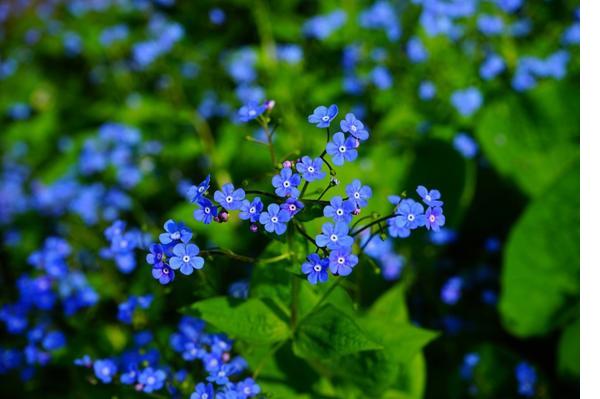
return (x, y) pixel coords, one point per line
(490, 25)
(53, 340)
(85, 361)
(491, 67)
(339, 210)
(286, 183)
(322, 116)
(221, 375)
(196, 192)
(251, 110)
(427, 90)
(315, 269)
(185, 259)
(416, 51)
(430, 198)
(465, 144)
(397, 227)
(207, 211)
(248, 388)
(341, 261)
(451, 290)
(156, 255)
(175, 232)
(355, 127)
(251, 210)
(105, 369)
(275, 219)
(292, 206)
(467, 101)
(341, 149)
(230, 198)
(310, 168)
(203, 391)
(527, 378)
(152, 380)
(130, 377)
(410, 214)
(358, 193)
(163, 273)
(434, 218)
(334, 236)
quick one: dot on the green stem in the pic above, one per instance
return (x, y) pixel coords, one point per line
(264, 193)
(353, 234)
(327, 293)
(331, 184)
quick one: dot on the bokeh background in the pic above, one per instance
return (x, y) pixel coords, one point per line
(477, 98)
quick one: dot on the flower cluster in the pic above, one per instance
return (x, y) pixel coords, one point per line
(127, 309)
(123, 244)
(174, 252)
(143, 367)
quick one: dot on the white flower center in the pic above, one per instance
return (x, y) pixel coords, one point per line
(432, 218)
(357, 195)
(252, 112)
(274, 219)
(286, 184)
(165, 270)
(201, 189)
(317, 268)
(207, 210)
(175, 236)
(292, 207)
(325, 118)
(410, 217)
(428, 197)
(353, 128)
(229, 199)
(340, 260)
(186, 258)
(204, 396)
(311, 169)
(247, 390)
(340, 212)
(151, 380)
(333, 237)
(342, 148)
(252, 210)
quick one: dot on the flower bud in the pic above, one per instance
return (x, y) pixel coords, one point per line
(287, 164)
(253, 228)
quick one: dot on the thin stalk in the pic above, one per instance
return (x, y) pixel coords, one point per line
(353, 234)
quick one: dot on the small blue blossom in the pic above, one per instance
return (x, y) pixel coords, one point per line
(315, 269)
(203, 391)
(350, 124)
(152, 380)
(275, 219)
(416, 51)
(163, 273)
(341, 261)
(491, 67)
(230, 198)
(105, 369)
(84, 361)
(196, 192)
(434, 218)
(217, 17)
(334, 236)
(465, 144)
(185, 258)
(54, 340)
(175, 232)
(251, 210)
(427, 90)
(397, 227)
(251, 110)
(310, 168)
(339, 210)
(286, 183)
(467, 101)
(430, 198)
(247, 388)
(221, 375)
(322, 116)
(410, 214)
(341, 149)
(526, 378)
(490, 25)
(451, 290)
(358, 193)
(156, 255)
(207, 212)
(130, 377)
(292, 206)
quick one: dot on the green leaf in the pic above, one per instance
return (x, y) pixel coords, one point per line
(253, 320)
(540, 276)
(312, 209)
(328, 333)
(532, 139)
(568, 351)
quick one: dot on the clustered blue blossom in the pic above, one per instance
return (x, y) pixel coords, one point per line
(526, 379)
(334, 245)
(175, 252)
(126, 310)
(143, 365)
(122, 245)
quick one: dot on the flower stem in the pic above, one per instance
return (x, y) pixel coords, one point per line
(353, 234)
(327, 293)
(264, 193)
